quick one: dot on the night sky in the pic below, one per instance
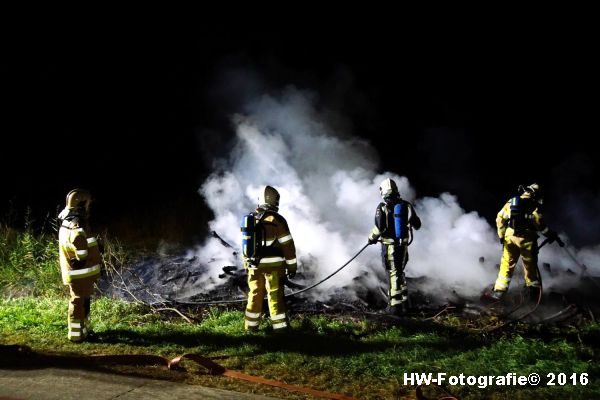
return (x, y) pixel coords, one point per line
(137, 118)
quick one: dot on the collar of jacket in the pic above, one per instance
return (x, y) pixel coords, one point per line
(267, 207)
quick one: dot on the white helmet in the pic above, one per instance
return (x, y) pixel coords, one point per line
(388, 187)
(535, 192)
(534, 189)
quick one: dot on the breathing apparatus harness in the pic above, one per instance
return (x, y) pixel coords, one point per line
(402, 229)
(521, 214)
(401, 222)
(253, 237)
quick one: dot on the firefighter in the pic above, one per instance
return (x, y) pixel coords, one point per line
(518, 223)
(393, 229)
(273, 261)
(80, 260)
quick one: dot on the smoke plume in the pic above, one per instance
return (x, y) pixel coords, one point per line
(328, 183)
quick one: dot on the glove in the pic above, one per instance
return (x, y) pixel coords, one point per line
(372, 240)
(290, 274)
(502, 241)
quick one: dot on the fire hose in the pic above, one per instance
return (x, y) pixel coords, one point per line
(287, 295)
(172, 364)
(521, 303)
(540, 293)
(575, 260)
(330, 275)
(580, 265)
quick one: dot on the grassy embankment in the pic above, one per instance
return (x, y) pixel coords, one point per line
(336, 353)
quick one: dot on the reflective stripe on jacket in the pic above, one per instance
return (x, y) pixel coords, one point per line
(74, 244)
(278, 250)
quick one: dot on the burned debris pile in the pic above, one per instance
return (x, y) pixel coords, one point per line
(179, 280)
(183, 279)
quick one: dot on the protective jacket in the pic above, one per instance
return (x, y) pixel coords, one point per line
(79, 254)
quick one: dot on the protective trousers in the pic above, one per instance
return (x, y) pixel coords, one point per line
(79, 307)
(395, 258)
(259, 282)
(515, 246)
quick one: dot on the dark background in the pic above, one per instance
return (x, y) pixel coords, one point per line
(137, 117)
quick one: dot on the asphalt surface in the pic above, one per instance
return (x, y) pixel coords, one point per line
(66, 384)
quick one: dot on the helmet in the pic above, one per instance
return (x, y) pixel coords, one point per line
(269, 197)
(79, 199)
(534, 191)
(388, 188)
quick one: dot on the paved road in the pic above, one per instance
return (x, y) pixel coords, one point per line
(55, 383)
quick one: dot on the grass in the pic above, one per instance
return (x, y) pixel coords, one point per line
(28, 264)
(337, 353)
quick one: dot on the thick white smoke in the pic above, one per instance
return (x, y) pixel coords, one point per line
(329, 191)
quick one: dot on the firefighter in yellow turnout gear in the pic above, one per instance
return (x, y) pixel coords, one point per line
(518, 223)
(275, 259)
(80, 261)
(394, 249)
